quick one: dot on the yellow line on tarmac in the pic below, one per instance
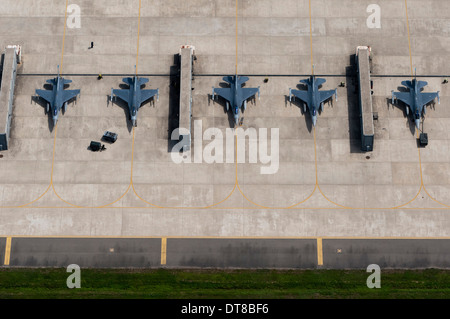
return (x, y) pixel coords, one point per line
(310, 38)
(64, 38)
(7, 251)
(139, 26)
(226, 237)
(409, 38)
(236, 37)
(163, 250)
(319, 252)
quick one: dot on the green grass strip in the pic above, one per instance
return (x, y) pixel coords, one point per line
(214, 283)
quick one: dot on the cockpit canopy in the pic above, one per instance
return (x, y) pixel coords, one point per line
(417, 115)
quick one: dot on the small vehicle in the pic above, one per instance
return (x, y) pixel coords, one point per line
(109, 137)
(423, 139)
(96, 146)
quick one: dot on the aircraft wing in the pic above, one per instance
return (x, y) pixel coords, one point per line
(122, 94)
(248, 93)
(426, 98)
(224, 93)
(69, 94)
(46, 95)
(142, 81)
(325, 95)
(405, 97)
(128, 81)
(228, 79)
(243, 79)
(147, 94)
(51, 81)
(320, 81)
(302, 95)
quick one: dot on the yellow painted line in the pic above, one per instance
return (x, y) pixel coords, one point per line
(139, 25)
(319, 252)
(228, 237)
(409, 38)
(236, 37)
(412, 75)
(310, 38)
(363, 208)
(64, 38)
(292, 207)
(163, 250)
(339, 206)
(7, 251)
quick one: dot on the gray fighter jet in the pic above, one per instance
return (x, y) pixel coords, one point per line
(57, 98)
(235, 95)
(414, 99)
(313, 98)
(134, 95)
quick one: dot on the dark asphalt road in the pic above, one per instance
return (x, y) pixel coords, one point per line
(227, 252)
(386, 253)
(2, 249)
(85, 252)
(245, 253)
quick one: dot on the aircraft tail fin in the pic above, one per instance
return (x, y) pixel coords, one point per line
(142, 81)
(128, 81)
(421, 84)
(408, 84)
(228, 79)
(306, 81)
(243, 79)
(320, 81)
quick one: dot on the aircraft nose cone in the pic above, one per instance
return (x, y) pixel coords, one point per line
(55, 120)
(133, 122)
(236, 120)
(314, 120)
(417, 124)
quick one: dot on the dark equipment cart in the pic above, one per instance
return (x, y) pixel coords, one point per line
(96, 146)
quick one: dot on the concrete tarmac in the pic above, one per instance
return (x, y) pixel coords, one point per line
(51, 185)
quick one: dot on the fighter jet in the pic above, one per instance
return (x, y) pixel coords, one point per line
(313, 97)
(134, 95)
(57, 98)
(414, 99)
(236, 95)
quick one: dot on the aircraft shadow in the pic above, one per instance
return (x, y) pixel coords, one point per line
(43, 103)
(402, 106)
(300, 104)
(353, 107)
(124, 106)
(173, 118)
